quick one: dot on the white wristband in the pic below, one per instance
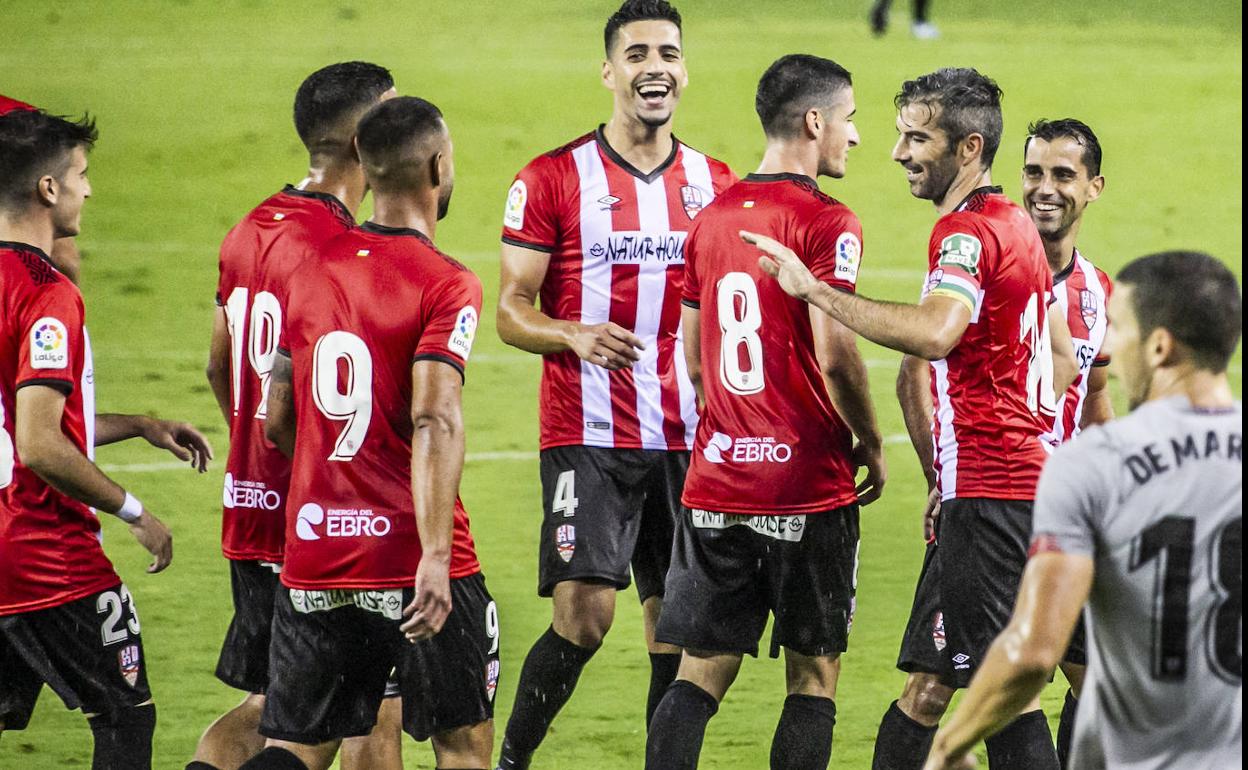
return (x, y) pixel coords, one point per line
(130, 510)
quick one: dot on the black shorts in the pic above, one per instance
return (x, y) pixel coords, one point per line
(728, 572)
(330, 661)
(88, 651)
(244, 660)
(604, 509)
(967, 587)
(1077, 650)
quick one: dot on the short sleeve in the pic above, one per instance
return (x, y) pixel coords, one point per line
(1073, 495)
(1103, 355)
(530, 216)
(452, 310)
(833, 247)
(956, 260)
(691, 289)
(52, 344)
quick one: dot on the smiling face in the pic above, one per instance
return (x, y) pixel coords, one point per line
(839, 134)
(72, 190)
(923, 149)
(646, 70)
(1057, 186)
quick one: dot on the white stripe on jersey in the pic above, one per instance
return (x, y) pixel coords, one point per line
(651, 286)
(1095, 338)
(698, 173)
(595, 293)
(947, 446)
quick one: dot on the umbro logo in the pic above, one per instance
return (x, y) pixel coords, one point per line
(609, 203)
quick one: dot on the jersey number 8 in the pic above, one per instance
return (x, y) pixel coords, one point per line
(740, 318)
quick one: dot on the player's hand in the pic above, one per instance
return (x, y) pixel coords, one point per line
(432, 602)
(871, 457)
(938, 759)
(931, 510)
(181, 439)
(153, 535)
(608, 345)
(783, 265)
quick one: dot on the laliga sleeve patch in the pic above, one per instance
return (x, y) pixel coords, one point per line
(517, 199)
(460, 342)
(961, 250)
(848, 257)
(49, 344)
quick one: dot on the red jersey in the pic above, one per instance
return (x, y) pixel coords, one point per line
(8, 105)
(616, 241)
(1082, 291)
(258, 258)
(380, 299)
(769, 440)
(50, 550)
(993, 393)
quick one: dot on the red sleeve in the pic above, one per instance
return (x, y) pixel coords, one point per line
(833, 247)
(691, 292)
(452, 309)
(530, 218)
(958, 256)
(722, 176)
(51, 347)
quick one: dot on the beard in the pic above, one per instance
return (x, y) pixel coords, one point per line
(444, 202)
(937, 178)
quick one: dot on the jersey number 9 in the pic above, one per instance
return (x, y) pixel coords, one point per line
(341, 358)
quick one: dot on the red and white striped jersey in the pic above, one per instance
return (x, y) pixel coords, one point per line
(993, 393)
(1082, 291)
(616, 238)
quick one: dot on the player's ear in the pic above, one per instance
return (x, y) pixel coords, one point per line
(971, 149)
(355, 149)
(607, 75)
(814, 123)
(1161, 349)
(48, 190)
(1096, 187)
(435, 169)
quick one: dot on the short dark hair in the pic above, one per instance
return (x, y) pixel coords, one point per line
(970, 103)
(1068, 128)
(388, 131)
(34, 144)
(638, 10)
(794, 84)
(331, 93)
(1194, 297)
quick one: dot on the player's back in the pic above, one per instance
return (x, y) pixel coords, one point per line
(769, 439)
(1164, 686)
(993, 393)
(379, 300)
(257, 259)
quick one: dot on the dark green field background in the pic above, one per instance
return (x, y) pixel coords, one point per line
(193, 101)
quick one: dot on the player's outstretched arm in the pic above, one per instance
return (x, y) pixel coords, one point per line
(437, 463)
(1054, 589)
(218, 369)
(521, 324)
(691, 322)
(180, 438)
(845, 375)
(46, 451)
(928, 330)
(1098, 407)
(1065, 366)
(279, 422)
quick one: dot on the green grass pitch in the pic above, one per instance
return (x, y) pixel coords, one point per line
(193, 101)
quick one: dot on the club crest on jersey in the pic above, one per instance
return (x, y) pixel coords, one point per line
(1087, 305)
(933, 280)
(49, 344)
(517, 198)
(128, 664)
(465, 331)
(848, 257)
(691, 197)
(491, 678)
(938, 632)
(961, 250)
(565, 541)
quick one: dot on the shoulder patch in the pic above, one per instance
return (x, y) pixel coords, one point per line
(848, 257)
(465, 331)
(961, 250)
(49, 344)
(517, 199)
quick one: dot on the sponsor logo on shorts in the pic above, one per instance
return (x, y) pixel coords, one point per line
(491, 678)
(938, 632)
(339, 522)
(517, 198)
(565, 541)
(961, 661)
(748, 449)
(240, 493)
(49, 344)
(128, 664)
(691, 197)
(465, 331)
(786, 528)
(848, 257)
(388, 604)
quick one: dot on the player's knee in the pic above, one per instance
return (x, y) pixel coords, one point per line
(583, 617)
(468, 746)
(925, 699)
(274, 758)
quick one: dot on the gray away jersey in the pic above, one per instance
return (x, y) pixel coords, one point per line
(1156, 499)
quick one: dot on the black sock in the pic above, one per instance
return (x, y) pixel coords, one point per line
(679, 726)
(901, 743)
(1024, 744)
(663, 668)
(803, 739)
(196, 764)
(274, 758)
(1066, 729)
(123, 741)
(920, 10)
(546, 682)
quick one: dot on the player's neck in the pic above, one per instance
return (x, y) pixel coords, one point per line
(33, 231)
(645, 147)
(343, 180)
(782, 158)
(1061, 251)
(1202, 388)
(410, 211)
(969, 179)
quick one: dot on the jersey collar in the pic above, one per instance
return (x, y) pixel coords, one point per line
(325, 198)
(618, 160)
(1065, 272)
(19, 246)
(985, 190)
(379, 229)
(801, 179)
